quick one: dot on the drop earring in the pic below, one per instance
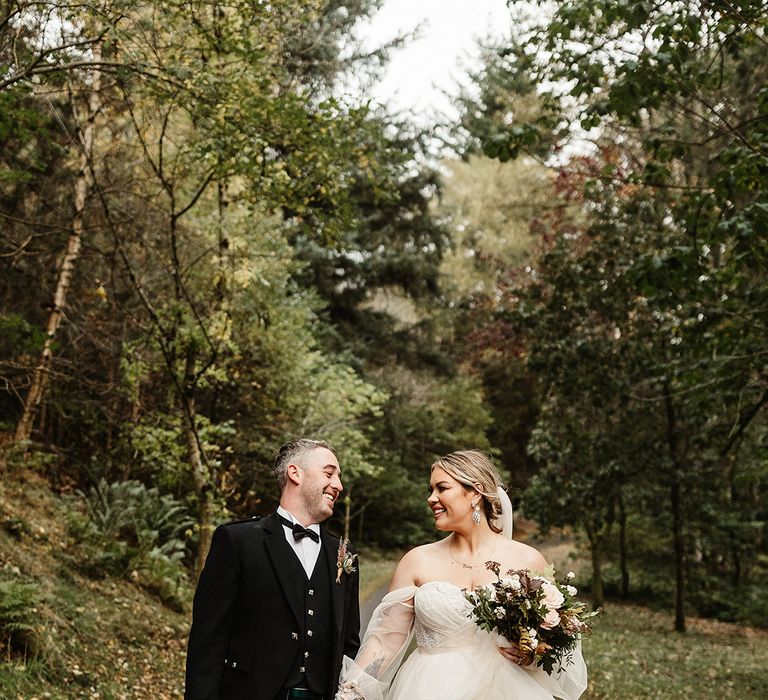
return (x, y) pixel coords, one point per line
(475, 513)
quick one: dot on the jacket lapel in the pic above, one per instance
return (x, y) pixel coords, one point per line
(288, 568)
(330, 549)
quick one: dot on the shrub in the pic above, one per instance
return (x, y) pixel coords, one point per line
(135, 532)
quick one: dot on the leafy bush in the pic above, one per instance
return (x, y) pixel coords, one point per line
(746, 603)
(18, 601)
(156, 449)
(129, 530)
(17, 457)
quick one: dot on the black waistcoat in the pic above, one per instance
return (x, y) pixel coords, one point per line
(311, 667)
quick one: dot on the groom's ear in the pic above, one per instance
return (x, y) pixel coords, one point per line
(295, 474)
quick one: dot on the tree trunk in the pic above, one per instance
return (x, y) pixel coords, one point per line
(200, 476)
(595, 548)
(677, 511)
(679, 544)
(732, 535)
(67, 268)
(347, 515)
(623, 549)
(360, 522)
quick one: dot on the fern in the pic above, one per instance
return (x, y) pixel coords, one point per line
(134, 531)
(18, 612)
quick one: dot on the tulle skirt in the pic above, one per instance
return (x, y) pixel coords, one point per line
(479, 672)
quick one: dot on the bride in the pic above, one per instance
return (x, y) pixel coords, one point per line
(454, 659)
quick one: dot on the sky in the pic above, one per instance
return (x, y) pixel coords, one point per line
(437, 61)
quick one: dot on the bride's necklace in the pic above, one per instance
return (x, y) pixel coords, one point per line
(470, 566)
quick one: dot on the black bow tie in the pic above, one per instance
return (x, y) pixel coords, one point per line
(299, 532)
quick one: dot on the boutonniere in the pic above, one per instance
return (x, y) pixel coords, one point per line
(345, 562)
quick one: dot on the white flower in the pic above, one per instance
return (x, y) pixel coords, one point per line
(512, 582)
(570, 576)
(500, 613)
(532, 633)
(490, 591)
(553, 598)
(571, 590)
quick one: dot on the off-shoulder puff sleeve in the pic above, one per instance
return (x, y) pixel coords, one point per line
(386, 640)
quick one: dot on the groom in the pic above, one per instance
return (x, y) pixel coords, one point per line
(276, 607)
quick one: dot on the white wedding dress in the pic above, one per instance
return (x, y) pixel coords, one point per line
(454, 659)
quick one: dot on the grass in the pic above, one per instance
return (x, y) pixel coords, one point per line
(634, 654)
(376, 570)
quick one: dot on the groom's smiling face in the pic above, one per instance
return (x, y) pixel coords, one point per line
(321, 483)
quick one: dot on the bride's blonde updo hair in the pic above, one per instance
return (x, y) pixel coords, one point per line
(475, 470)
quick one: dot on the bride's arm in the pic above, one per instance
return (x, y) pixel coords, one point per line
(385, 642)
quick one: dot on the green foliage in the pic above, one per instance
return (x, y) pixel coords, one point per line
(18, 618)
(641, 316)
(245, 220)
(424, 418)
(19, 337)
(154, 448)
(18, 457)
(20, 341)
(24, 131)
(393, 510)
(497, 212)
(747, 606)
(128, 530)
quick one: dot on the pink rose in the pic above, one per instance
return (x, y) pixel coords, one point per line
(553, 598)
(551, 619)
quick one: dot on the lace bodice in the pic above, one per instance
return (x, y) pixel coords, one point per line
(442, 617)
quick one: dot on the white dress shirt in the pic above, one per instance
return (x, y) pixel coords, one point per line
(307, 550)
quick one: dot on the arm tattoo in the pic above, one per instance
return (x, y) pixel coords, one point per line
(373, 668)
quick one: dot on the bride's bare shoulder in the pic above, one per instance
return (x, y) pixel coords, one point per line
(415, 561)
(424, 553)
(518, 555)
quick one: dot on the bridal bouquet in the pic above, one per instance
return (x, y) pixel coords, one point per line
(533, 611)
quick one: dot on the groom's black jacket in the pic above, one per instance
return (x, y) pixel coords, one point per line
(249, 621)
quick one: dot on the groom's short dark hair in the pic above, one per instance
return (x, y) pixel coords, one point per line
(288, 454)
